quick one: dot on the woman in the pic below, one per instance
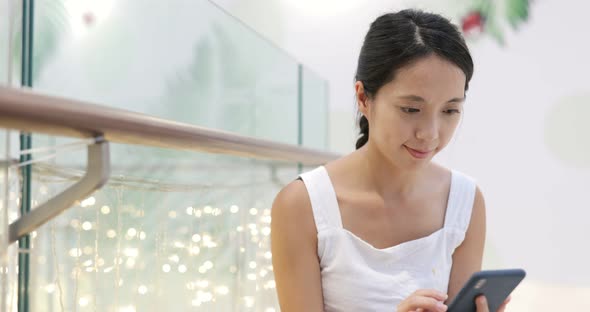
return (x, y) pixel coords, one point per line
(384, 227)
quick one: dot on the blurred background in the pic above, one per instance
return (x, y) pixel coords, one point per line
(190, 231)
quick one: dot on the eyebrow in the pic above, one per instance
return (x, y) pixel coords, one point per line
(415, 98)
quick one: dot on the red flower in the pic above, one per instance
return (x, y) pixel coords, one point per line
(472, 23)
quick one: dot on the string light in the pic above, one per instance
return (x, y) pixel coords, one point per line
(251, 233)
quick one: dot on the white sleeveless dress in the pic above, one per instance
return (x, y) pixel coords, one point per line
(356, 276)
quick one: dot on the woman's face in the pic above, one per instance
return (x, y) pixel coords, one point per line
(413, 117)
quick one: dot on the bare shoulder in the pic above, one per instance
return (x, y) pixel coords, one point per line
(295, 260)
(291, 210)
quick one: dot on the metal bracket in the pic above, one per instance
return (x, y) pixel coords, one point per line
(98, 170)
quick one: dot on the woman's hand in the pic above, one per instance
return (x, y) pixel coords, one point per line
(482, 304)
(424, 300)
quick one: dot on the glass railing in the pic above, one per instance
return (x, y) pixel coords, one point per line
(180, 60)
(10, 56)
(171, 229)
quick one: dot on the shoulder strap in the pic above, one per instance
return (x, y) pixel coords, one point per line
(323, 198)
(460, 202)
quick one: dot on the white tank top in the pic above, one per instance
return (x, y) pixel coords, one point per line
(356, 276)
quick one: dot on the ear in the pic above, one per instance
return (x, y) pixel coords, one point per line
(362, 100)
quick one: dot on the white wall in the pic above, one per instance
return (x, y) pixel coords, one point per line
(525, 135)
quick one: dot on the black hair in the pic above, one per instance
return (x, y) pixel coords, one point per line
(396, 39)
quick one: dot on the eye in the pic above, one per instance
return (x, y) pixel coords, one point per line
(452, 111)
(409, 110)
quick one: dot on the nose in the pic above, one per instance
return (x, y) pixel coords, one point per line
(427, 130)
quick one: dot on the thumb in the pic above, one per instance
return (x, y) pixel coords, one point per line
(482, 304)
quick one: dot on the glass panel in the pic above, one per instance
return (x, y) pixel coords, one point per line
(10, 47)
(10, 42)
(315, 110)
(181, 60)
(170, 231)
(9, 205)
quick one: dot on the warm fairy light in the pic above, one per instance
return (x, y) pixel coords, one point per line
(196, 238)
(194, 250)
(222, 290)
(179, 248)
(270, 284)
(87, 250)
(202, 283)
(266, 231)
(75, 252)
(131, 232)
(130, 263)
(90, 201)
(178, 244)
(87, 226)
(249, 301)
(50, 288)
(111, 233)
(105, 210)
(83, 301)
(131, 252)
(204, 296)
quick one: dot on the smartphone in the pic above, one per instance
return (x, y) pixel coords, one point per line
(496, 285)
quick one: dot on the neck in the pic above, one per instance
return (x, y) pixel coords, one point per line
(378, 173)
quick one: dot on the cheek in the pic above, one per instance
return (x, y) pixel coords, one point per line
(392, 130)
(447, 131)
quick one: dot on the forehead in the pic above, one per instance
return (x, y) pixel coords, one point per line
(432, 78)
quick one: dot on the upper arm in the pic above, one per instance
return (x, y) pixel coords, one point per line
(467, 258)
(294, 251)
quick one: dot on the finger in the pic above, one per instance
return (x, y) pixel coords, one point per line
(433, 293)
(481, 304)
(414, 303)
(504, 304)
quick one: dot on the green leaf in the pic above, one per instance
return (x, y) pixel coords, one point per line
(517, 12)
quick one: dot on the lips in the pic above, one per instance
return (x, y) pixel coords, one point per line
(418, 153)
